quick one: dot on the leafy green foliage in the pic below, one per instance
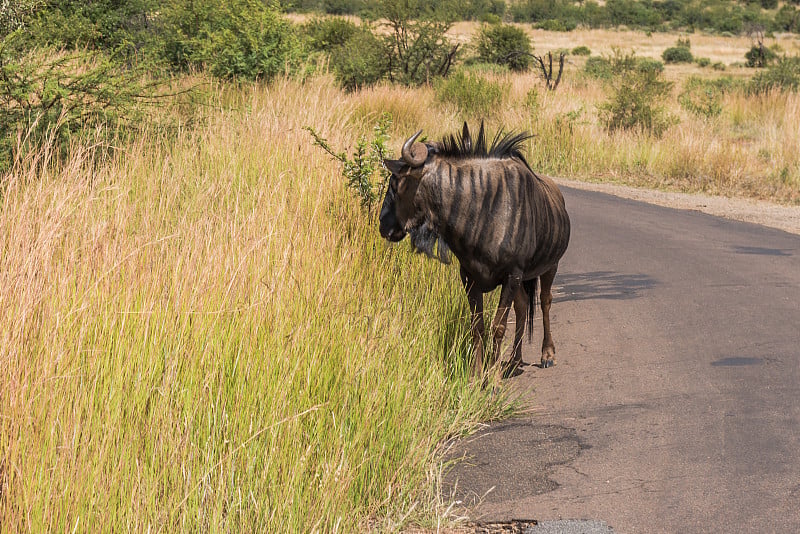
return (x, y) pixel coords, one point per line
(677, 54)
(365, 174)
(787, 18)
(581, 51)
(360, 61)
(759, 56)
(14, 14)
(326, 33)
(598, 67)
(702, 97)
(470, 92)
(49, 96)
(128, 27)
(619, 63)
(660, 15)
(237, 38)
(783, 75)
(504, 44)
(635, 103)
(417, 47)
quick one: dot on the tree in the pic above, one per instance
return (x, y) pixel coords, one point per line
(504, 44)
(418, 49)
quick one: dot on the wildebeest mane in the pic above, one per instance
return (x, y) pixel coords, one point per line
(462, 146)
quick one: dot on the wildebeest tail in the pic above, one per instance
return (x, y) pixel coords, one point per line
(530, 289)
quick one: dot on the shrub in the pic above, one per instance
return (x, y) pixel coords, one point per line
(701, 97)
(759, 56)
(784, 75)
(702, 61)
(325, 33)
(99, 24)
(557, 25)
(581, 51)
(635, 103)
(620, 63)
(598, 67)
(787, 18)
(14, 15)
(365, 174)
(51, 96)
(677, 54)
(238, 38)
(504, 44)
(718, 65)
(361, 61)
(646, 64)
(471, 93)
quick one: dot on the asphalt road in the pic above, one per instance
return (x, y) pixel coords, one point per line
(675, 402)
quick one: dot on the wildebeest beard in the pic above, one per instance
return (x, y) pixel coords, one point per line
(425, 240)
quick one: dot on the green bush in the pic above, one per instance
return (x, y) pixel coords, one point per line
(361, 61)
(365, 174)
(15, 15)
(783, 75)
(557, 25)
(635, 103)
(701, 97)
(581, 51)
(417, 47)
(677, 54)
(325, 33)
(620, 63)
(47, 96)
(504, 44)
(644, 64)
(759, 56)
(702, 61)
(99, 24)
(471, 93)
(718, 65)
(787, 19)
(239, 38)
(598, 67)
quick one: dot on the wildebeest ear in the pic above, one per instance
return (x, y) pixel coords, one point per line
(395, 166)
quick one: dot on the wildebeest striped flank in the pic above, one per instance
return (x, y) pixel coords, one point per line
(504, 223)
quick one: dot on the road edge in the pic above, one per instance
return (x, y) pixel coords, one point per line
(762, 212)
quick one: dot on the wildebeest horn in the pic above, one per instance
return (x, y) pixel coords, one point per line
(413, 153)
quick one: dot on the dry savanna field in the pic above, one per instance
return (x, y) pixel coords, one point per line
(204, 331)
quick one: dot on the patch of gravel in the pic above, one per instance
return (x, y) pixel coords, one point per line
(786, 218)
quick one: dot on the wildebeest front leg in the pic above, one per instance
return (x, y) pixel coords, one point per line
(546, 297)
(475, 297)
(507, 294)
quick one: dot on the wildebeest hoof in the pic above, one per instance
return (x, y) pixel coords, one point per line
(511, 368)
(548, 363)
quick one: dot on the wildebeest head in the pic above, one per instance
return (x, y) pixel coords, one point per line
(398, 204)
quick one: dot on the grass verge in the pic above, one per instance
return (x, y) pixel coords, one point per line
(206, 333)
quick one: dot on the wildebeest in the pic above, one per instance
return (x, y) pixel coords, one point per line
(506, 225)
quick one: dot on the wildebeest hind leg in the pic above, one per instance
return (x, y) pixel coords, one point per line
(521, 317)
(475, 298)
(546, 297)
(507, 295)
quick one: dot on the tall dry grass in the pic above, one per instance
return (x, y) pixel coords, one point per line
(749, 150)
(205, 333)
